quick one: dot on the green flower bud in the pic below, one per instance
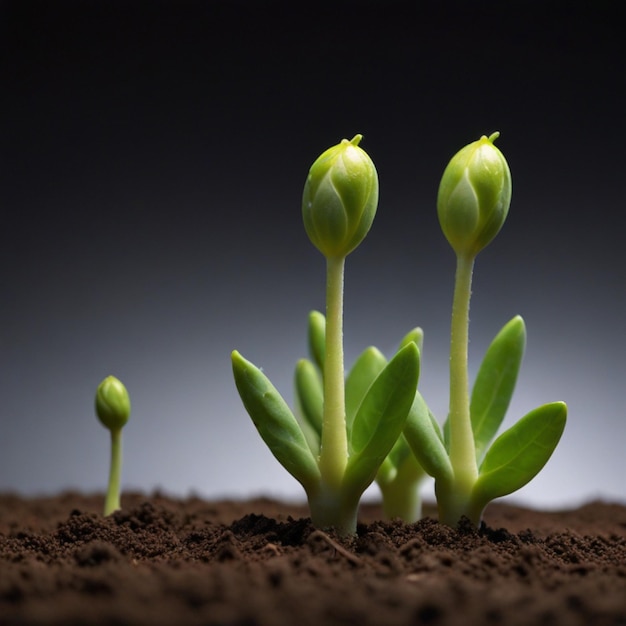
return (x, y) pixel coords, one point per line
(474, 196)
(112, 403)
(340, 198)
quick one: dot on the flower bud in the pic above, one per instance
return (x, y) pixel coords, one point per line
(474, 196)
(112, 403)
(340, 198)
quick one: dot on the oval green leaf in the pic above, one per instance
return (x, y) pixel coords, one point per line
(520, 452)
(275, 422)
(495, 383)
(369, 364)
(317, 338)
(424, 437)
(381, 417)
(309, 396)
(416, 335)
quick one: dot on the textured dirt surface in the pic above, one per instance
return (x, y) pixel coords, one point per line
(162, 561)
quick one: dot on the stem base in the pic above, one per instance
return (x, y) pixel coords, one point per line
(334, 509)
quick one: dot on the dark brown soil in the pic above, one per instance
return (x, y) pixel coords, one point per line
(162, 561)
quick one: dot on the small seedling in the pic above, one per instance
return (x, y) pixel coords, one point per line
(113, 410)
(339, 202)
(472, 204)
(400, 475)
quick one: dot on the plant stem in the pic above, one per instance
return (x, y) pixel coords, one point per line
(401, 495)
(335, 509)
(334, 445)
(112, 502)
(462, 448)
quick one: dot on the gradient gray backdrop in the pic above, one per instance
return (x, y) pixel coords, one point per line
(153, 159)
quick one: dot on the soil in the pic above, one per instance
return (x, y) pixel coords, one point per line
(165, 561)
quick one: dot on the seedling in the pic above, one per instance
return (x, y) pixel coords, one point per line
(472, 204)
(400, 474)
(113, 410)
(335, 467)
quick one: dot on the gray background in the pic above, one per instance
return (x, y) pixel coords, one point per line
(153, 159)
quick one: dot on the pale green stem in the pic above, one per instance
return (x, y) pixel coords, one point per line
(462, 448)
(453, 504)
(335, 509)
(112, 502)
(402, 502)
(334, 445)
(401, 495)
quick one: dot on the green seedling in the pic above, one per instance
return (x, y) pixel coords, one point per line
(335, 467)
(472, 204)
(400, 475)
(113, 411)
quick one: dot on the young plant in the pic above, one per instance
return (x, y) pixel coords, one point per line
(400, 474)
(113, 411)
(472, 204)
(338, 206)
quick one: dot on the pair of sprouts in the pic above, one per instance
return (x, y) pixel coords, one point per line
(373, 424)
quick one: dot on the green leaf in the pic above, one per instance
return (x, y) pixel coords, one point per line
(310, 401)
(520, 453)
(426, 441)
(416, 336)
(275, 422)
(309, 398)
(381, 417)
(317, 338)
(369, 364)
(495, 383)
